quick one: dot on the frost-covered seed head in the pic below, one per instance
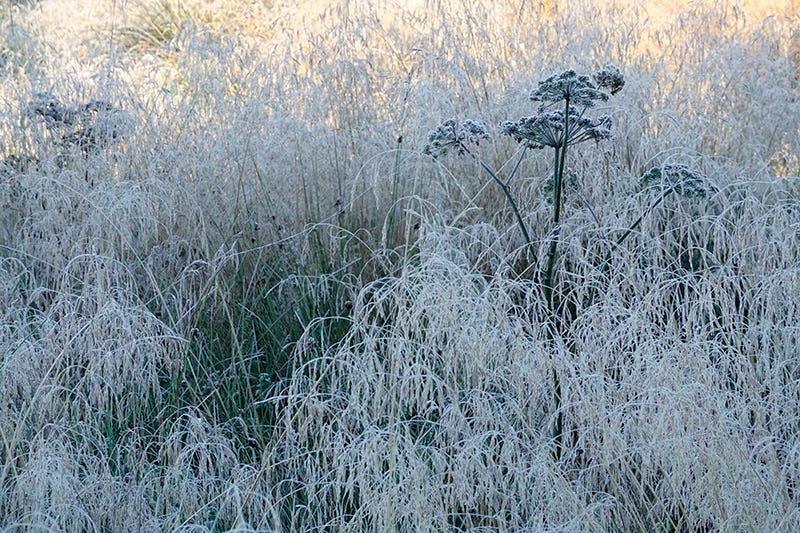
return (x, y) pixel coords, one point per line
(600, 128)
(52, 112)
(568, 85)
(546, 129)
(450, 135)
(610, 78)
(473, 132)
(686, 181)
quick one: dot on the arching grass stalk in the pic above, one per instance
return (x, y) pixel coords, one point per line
(670, 178)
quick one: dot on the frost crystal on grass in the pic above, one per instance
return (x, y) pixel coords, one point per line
(450, 135)
(686, 181)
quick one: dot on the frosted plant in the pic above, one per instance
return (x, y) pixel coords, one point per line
(560, 129)
(609, 78)
(563, 119)
(51, 111)
(90, 127)
(450, 135)
(557, 129)
(568, 85)
(102, 125)
(684, 180)
(548, 128)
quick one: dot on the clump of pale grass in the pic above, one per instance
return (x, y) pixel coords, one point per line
(435, 410)
(76, 369)
(417, 406)
(93, 351)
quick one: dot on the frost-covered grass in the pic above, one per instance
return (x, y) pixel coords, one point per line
(236, 294)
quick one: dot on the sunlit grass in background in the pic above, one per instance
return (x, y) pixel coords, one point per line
(258, 305)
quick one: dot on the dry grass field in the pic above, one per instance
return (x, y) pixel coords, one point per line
(237, 295)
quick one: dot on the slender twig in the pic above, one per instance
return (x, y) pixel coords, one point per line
(643, 215)
(606, 263)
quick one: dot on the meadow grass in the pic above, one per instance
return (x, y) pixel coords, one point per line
(237, 295)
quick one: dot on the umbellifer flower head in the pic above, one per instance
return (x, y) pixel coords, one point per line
(546, 129)
(559, 129)
(449, 134)
(609, 77)
(53, 113)
(685, 180)
(568, 85)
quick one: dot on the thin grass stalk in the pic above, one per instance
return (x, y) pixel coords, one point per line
(606, 263)
(395, 191)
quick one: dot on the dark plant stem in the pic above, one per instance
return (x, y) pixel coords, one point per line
(395, 190)
(558, 178)
(560, 160)
(505, 187)
(646, 212)
(507, 191)
(551, 254)
(606, 264)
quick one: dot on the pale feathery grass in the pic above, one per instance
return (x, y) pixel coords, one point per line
(434, 412)
(153, 293)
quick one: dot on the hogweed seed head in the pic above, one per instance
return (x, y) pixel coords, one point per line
(685, 180)
(599, 128)
(610, 78)
(94, 125)
(51, 111)
(546, 129)
(473, 132)
(568, 85)
(536, 131)
(449, 134)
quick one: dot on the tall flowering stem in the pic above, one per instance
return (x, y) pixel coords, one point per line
(548, 128)
(561, 129)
